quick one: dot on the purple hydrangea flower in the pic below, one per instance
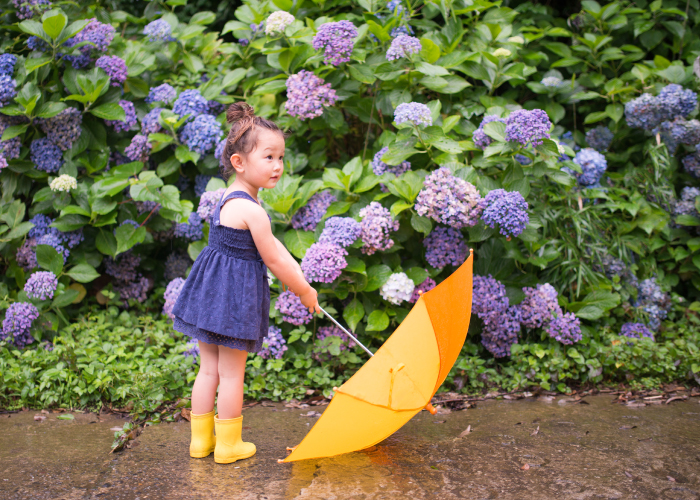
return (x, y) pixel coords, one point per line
(449, 200)
(200, 183)
(144, 207)
(26, 9)
(427, 285)
(308, 217)
(159, 31)
(481, 140)
(403, 46)
(691, 164)
(139, 149)
(190, 102)
(201, 134)
(292, 310)
(7, 64)
(498, 338)
(274, 345)
(64, 128)
(414, 112)
(176, 265)
(643, 112)
(162, 93)
(123, 266)
(46, 155)
(376, 225)
(150, 123)
(9, 148)
(41, 225)
(653, 301)
(136, 289)
(324, 262)
(679, 131)
(337, 41)
(129, 120)
(7, 90)
(539, 306)
(207, 203)
(528, 126)
(307, 94)
(219, 151)
(26, 255)
(54, 240)
(41, 285)
(97, 34)
(508, 210)
(674, 101)
(192, 350)
(192, 229)
(341, 231)
(522, 159)
(321, 348)
(3, 163)
(444, 246)
(636, 330)
(593, 166)
(215, 107)
(379, 167)
(172, 292)
(489, 301)
(18, 322)
(565, 328)
(115, 67)
(599, 138)
(243, 41)
(400, 30)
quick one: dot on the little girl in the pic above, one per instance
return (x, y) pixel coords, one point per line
(225, 301)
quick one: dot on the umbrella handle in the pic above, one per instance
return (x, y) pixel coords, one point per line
(346, 332)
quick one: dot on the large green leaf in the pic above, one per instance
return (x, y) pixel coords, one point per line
(84, 273)
(48, 258)
(298, 242)
(353, 313)
(377, 276)
(377, 321)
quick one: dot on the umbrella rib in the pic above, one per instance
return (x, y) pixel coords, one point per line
(346, 332)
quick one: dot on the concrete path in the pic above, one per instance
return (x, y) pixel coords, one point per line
(595, 451)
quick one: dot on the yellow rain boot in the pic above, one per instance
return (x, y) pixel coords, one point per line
(203, 440)
(229, 445)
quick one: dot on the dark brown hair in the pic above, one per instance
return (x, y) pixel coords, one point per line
(243, 136)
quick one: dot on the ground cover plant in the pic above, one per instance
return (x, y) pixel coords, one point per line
(562, 148)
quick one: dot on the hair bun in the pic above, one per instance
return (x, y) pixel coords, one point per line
(238, 111)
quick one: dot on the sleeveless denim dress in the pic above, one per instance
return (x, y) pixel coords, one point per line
(226, 297)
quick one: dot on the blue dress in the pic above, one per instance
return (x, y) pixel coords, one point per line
(226, 297)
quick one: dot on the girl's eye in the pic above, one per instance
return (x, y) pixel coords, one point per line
(269, 157)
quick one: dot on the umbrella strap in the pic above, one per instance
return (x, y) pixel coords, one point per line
(346, 332)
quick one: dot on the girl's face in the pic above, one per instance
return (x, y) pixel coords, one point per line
(263, 166)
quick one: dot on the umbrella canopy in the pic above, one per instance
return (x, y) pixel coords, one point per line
(401, 378)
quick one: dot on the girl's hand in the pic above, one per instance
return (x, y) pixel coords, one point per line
(310, 300)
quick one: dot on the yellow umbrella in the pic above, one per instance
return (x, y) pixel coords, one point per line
(401, 378)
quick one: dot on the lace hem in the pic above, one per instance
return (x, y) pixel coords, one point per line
(216, 338)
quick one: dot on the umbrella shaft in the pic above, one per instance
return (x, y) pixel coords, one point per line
(346, 332)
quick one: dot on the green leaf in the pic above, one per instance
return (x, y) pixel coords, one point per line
(421, 224)
(83, 273)
(70, 222)
(128, 236)
(53, 22)
(298, 242)
(355, 265)
(109, 111)
(430, 69)
(377, 276)
(203, 18)
(399, 206)
(34, 63)
(591, 312)
(615, 111)
(337, 208)
(353, 313)
(596, 117)
(417, 274)
(362, 73)
(195, 248)
(34, 28)
(496, 130)
(50, 109)
(48, 258)
(17, 231)
(184, 155)
(233, 77)
(62, 300)
(430, 52)
(106, 243)
(67, 416)
(377, 321)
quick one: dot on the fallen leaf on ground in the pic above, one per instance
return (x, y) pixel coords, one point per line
(628, 427)
(466, 431)
(518, 423)
(311, 414)
(676, 398)
(39, 418)
(525, 467)
(268, 404)
(628, 474)
(186, 414)
(67, 416)
(536, 431)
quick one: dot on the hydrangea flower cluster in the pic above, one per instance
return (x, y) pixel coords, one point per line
(7, 90)
(398, 288)
(162, 93)
(3, 163)
(593, 166)
(599, 138)
(192, 350)
(612, 266)
(7, 64)
(26, 9)
(201, 134)
(46, 155)
(41, 285)
(653, 301)
(159, 31)
(64, 128)
(642, 112)
(172, 292)
(341, 231)
(379, 167)
(524, 160)
(449, 200)
(136, 289)
(176, 265)
(129, 119)
(150, 123)
(148, 206)
(679, 131)
(403, 46)
(274, 345)
(307, 94)
(528, 126)
(324, 332)
(539, 306)
(98, 35)
(498, 341)
(413, 112)
(565, 328)
(324, 262)
(648, 111)
(336, 39)
(508, 210)
(64, 182)
(427, 285)
(9, 148)
(18, 322)
(399, 30)
(208, 202)
(277, 22)
(292, 310)
(115, 67)
(191, 230)
(308, 216)
(42, 234)
(219, 151)
(26, 254)
(636, 331)
(552, 82)
(444, 246)
(691, 163)
(375, 227)
(190, 102)
(139, 149)
(123, 266)
(481, 140)
(490, 304)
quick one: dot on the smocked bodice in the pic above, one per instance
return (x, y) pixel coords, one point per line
(230, 241)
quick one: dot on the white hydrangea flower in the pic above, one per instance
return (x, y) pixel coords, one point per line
(502, 52)
(561, 149)
(398, 288)
(516, 39)
(277, 22)
(63, 182)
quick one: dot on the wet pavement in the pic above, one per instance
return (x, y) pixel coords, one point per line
(594, 451)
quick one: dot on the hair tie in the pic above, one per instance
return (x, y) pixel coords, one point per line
(246, 122)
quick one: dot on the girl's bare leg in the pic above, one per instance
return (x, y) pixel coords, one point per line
(231, 373)
(204, 389)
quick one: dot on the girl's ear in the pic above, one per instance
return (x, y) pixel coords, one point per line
(237, 163)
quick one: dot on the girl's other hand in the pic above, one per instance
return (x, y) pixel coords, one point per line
(310, 300)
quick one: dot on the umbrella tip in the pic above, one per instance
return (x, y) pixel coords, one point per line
(471, 251)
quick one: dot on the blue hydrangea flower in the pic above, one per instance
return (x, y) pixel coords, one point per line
(41, 285)
(7, 64)
(379, 167)
(64, 128)
(674, 101)
(528, 126)
(172, 292)
(679, 131)
(337, 40)
(139, 149)
(219, 151)
(162, 93)
(565, 328)
(307, 217)
(7, 90)
(192, 350)
(449, 200)
(158, 31)
(508, 210)
(400, 30)
(201, 134)
(307, 94)
(200, 183)
(653, 302)
(414, 112)
(498, 337)
(636, 330)
(190, 102)
(26, 9)
(41, 225)
(274, 345)
(46, 155)
(539, 306)
(427, 285)
(18, 322)
(115, 67)
(11, 147)
(403, 46)
(691, 164)
(123, 266)
(593, 166)
(376, 226)
(341, 231)
(191, 230)
(292, 310)
(150, 123)
(599, 138)
(130, 119)
(501, 321)
(444, 246)
(522, 159)
(324, 262)
(207, 203)
(643, 112)
(481, 140)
